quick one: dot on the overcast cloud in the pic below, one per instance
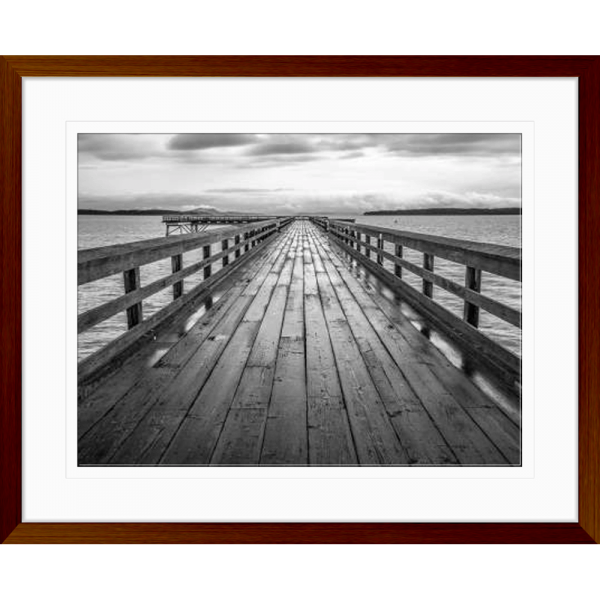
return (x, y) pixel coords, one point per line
(299, 173)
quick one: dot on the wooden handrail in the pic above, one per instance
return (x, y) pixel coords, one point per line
(98, 263)
(492, 258)
(366, 243)
(236, 243)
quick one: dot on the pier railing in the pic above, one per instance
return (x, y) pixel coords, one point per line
(371, 246)
(236, 243)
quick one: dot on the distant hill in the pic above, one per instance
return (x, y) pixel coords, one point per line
(150, 212)
(447, 211)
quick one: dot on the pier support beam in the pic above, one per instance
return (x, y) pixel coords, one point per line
(380, 246)
(205, 255)
(225, 246)
(398, 268)
(472, 282)
(428, 266)
(131, 279)
(176, 265)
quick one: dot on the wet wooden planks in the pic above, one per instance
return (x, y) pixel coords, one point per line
(300, 363)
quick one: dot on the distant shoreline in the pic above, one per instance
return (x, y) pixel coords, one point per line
(445, 211)
(152, 212)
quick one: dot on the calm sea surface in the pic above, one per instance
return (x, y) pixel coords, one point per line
(97, 231)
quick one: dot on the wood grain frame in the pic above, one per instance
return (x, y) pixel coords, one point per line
(14, 68)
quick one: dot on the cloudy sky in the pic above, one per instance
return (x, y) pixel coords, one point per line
(298, 173)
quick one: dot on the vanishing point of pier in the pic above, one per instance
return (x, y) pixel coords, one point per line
(297, 349)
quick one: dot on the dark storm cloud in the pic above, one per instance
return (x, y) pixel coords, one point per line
(204, 141)
(282, 146)
(421, 144)
(285, 147)
(309, 143)
(455, 144)
(115, 147)
(355, 154)
(347, 142)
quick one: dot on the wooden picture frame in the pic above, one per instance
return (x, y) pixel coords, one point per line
(14, 68)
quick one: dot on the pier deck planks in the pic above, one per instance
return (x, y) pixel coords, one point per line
(300, 362)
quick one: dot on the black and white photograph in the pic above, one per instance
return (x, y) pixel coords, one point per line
(299, 299)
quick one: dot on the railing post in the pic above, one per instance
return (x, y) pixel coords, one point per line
(368, 242)
(131, 280)
(236, 241)
(428, 266)
(380, 246)
(351, 233)
(176, 265)
(358, 246)
(472, 282)
(224, 246)
(205, 255)
(398, 268)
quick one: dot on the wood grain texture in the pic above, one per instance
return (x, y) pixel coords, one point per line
(585, 68)
(301, 66)
(10, 299)
(589, 299)
(299, 533)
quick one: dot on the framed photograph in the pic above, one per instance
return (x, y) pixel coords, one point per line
(300, 299)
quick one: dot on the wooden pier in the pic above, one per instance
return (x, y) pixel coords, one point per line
(295, 350)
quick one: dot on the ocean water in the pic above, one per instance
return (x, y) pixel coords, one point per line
(100, 230)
